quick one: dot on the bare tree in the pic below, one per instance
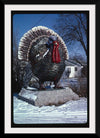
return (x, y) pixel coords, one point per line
(73, 27)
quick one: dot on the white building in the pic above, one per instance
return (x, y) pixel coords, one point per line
(72, 69)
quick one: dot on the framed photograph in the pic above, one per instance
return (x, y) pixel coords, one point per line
(50, 68)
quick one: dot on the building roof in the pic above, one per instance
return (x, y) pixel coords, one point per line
(71, 63)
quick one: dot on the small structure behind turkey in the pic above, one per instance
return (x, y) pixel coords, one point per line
(72, 69)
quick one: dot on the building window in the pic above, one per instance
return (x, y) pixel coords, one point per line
(75, 68)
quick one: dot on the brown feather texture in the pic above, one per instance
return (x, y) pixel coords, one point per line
(32, 36)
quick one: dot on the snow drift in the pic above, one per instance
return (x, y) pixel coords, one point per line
(72, 112)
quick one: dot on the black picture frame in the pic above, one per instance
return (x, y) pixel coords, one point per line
(97, 3)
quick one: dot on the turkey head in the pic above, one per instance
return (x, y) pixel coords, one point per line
(53, 44)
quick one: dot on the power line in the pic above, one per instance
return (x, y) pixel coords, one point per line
(40, 19)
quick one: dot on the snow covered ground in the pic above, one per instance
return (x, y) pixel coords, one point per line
(72, 112)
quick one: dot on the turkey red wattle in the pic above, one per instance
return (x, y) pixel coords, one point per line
(55, 52)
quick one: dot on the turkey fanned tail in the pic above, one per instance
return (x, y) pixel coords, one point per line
(33, 36)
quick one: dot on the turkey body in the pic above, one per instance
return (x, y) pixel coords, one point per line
(43, 67)
(45, 52)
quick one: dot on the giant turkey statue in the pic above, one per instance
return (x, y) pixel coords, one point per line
(45, 52)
